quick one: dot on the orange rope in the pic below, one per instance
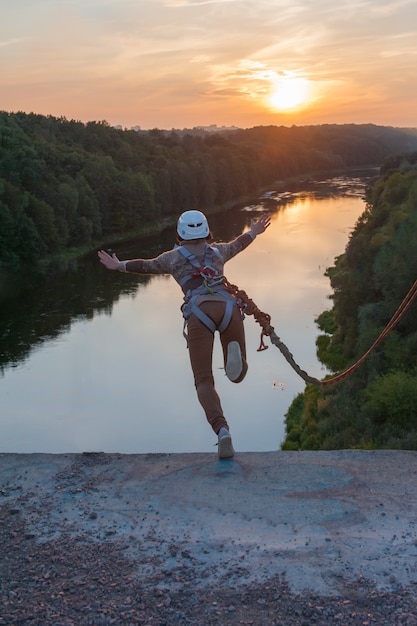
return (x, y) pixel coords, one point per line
(402, 309)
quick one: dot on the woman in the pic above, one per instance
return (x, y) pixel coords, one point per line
(197, 265)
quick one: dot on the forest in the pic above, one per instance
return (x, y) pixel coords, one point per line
(375, 405)
(67, 187)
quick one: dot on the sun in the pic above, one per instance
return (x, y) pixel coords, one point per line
(289, 92)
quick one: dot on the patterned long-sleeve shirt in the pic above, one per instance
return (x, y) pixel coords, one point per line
(173, 262)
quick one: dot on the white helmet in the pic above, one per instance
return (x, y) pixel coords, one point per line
(192, 225)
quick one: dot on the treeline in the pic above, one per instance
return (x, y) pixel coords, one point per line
(66, 185)
(376, 405)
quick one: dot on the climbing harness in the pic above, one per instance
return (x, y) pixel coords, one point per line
(267, 330)
(212, 284)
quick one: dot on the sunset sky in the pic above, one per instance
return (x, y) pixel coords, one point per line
(185, 63)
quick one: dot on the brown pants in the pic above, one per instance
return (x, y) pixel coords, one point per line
(200, 345)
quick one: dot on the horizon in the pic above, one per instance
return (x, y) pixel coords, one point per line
(179, 64)
(209, 128)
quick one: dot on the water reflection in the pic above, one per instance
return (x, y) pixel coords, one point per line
(49, 310)
(95, 360)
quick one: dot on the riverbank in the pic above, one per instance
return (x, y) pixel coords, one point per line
(169, 221)
(64, 260)
(267, 538)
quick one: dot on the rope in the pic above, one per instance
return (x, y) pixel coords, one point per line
(264, 320)
(290, 359)
(250, 308)
(399, 313)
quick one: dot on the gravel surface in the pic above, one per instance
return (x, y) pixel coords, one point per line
(60, 565)
(73, 582)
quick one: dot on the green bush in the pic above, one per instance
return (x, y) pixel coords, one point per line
(392, 399)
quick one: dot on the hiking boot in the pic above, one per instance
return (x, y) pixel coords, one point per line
(225, 447)
(234, 363)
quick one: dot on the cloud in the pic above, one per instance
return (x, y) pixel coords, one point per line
(11, 42)
(390, 8)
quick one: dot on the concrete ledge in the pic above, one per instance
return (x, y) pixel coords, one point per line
(315, 519)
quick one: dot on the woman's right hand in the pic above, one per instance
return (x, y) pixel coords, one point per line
(110, 261)
(260, 225)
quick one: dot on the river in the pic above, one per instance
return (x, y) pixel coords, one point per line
(94, 360)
